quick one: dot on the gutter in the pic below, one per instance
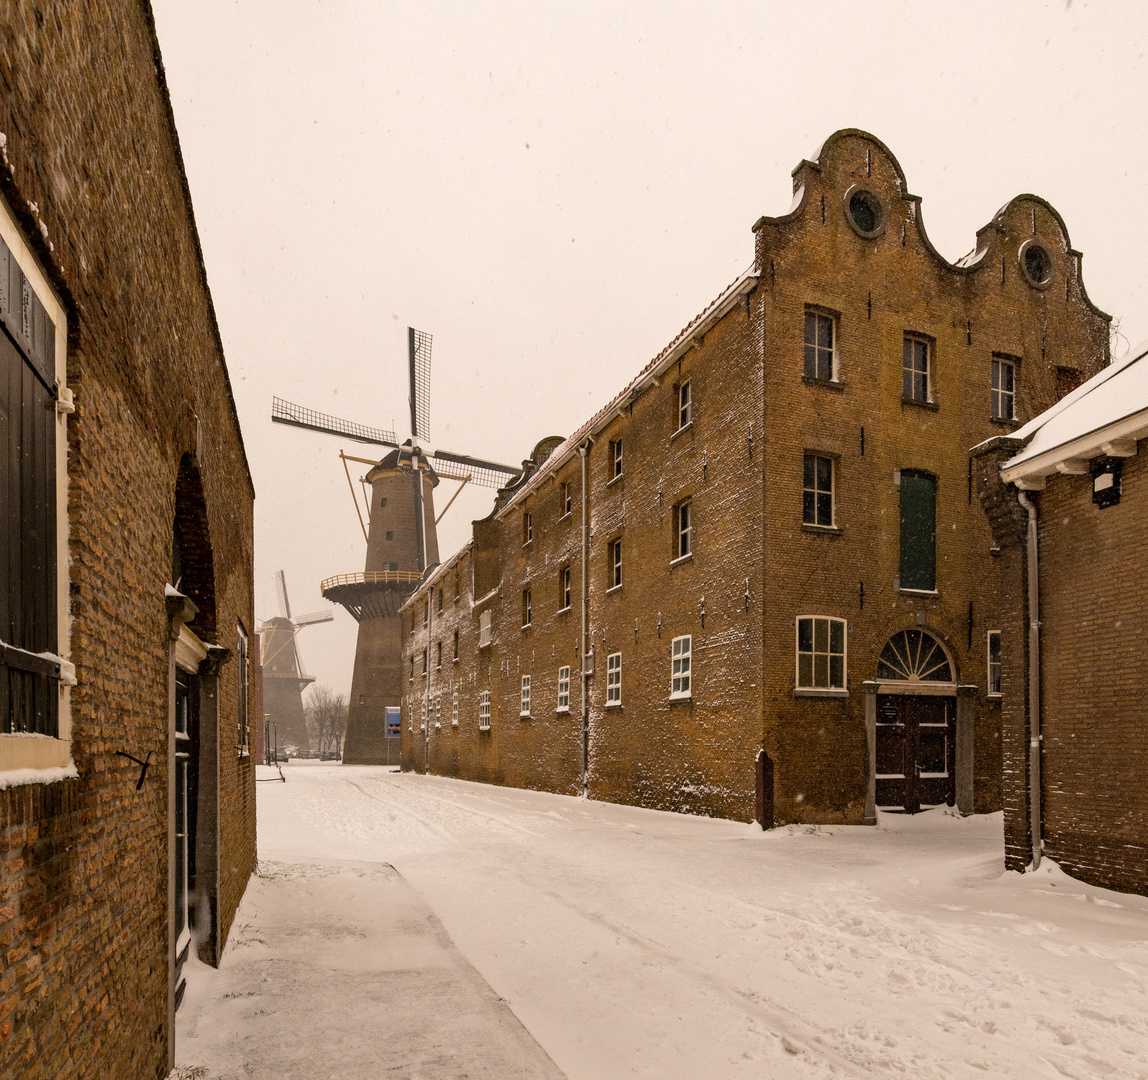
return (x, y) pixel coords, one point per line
(1034, 807)
(587, 651)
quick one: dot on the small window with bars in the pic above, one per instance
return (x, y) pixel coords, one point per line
(484, 710)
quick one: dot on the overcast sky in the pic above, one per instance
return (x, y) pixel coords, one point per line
(553, 189)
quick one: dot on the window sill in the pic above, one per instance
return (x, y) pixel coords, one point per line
(454, 723)
(687, 696)
(484, 729)
(918, 592)
(802, 691)
(527, 544)
(524, 716)
(563, 610)
(455, 660)
(563, 711)
(828, 384)
(681, 559)
(616, 479)
(825, 530)
(683, 428)
(613, 589)
(920, 404)
(613, 704)
(526, 626)
(566, 516)
(1009, 422)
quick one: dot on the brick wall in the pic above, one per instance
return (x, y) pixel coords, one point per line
(84, 903)
(755, 566)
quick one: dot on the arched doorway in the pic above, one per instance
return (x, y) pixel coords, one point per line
(916, 724)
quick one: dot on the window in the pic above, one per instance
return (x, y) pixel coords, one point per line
(615, 459)
(525, 608)
(392, 566)
(994, 651)
(685, 405)
(564, 589)
(614, 679)
(918, 531)
(615, 564)
(484, 629)
(437, 712)
(915, 373)
(394, 721)
(440, 601)
(680, 650)
(563, 689)
(527, 527)
(820, 349)
(683, 530)
(524, 710)
(567, 500)
(424, 662)
(914, 656)
(817, 491)
(1003, 389)
(390, 535)
(456, 646)
(412, 678)
(33, 552)
(438, 663)
(244, 734)
(484, 710)
(820, 653)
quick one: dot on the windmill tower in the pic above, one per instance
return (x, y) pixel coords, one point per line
(402, 542)
(284, 677)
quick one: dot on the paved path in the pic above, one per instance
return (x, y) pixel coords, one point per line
(340, 970)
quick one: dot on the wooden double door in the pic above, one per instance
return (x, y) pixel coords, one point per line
(916, 751)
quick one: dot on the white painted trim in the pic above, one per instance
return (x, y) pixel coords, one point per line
(190, 652)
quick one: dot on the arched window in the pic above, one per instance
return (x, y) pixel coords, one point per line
(914, 656)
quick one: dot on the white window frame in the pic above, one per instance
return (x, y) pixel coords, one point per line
(454, 709)
(685, 405)
(567, 499)
(565, 592)
(990, 665)
(484, 632)
(527, 609)
(527, 527)
(613, 680)
(683, 536)
(484, 710)
(615, 564)
(681, 668)
(829, 687)
(615, 459)
(832, 522)
(524, 709)
(833, 367)
(997, 393)
(917, 339)
(437, 712)
(32, 756)
(243, 725)
(563, 690)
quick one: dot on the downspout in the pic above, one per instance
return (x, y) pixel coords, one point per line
(583, 452)
(1033, 681)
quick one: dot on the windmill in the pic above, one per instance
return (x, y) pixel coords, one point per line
(402, 543)
(284, 676)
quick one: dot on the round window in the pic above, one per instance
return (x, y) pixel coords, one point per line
(1037, 264)
(865, 212)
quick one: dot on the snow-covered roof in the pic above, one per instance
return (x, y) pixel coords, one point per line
(1111, 406)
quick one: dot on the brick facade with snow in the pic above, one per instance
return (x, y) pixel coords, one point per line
(1090, 552)
(770, 571)
(152, 485)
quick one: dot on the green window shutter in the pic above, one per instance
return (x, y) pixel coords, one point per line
(918, 530)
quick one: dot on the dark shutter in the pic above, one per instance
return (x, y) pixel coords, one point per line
(28, 694)
(918, 530)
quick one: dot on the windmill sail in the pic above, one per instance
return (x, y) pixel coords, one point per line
(419, 345)
(281, 590)
(287, 412)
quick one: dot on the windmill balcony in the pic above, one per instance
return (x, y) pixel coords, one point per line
(371, 594)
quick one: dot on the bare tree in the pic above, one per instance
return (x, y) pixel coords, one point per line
(326, 714)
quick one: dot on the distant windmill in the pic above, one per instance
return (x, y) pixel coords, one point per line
(284, 677)
(402, 542)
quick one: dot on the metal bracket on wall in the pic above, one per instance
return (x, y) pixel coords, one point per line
(142, 764)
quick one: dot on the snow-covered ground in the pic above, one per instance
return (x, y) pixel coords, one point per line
(633, 943)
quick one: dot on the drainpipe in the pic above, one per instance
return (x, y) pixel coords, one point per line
(1033, 682)
(583, 453)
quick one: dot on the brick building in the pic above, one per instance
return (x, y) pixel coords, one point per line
(758, 575)
(127, 809)
(1066, 499)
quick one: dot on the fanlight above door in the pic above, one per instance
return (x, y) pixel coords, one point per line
(914, 656)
